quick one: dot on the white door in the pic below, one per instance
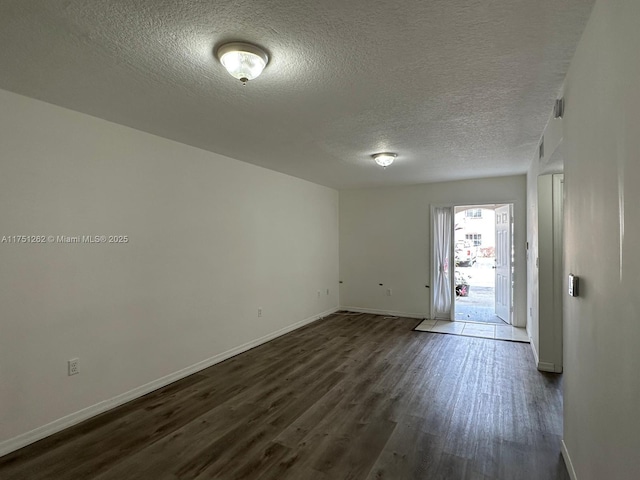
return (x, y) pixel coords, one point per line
(503, 263)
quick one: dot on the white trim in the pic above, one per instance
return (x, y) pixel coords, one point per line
(543, 366)
(533, 349)
(39, 433)
(548, 367)
(384, 312)
(568, 462)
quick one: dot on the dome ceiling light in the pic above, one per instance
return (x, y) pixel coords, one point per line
(384, 159)
(242, 60)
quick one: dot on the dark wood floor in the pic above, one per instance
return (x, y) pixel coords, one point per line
(347, 397)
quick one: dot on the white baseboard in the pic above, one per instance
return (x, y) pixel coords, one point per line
(44, 431)
(547, 367)
(384, 312)
(543, 366)
(568, 462)
(533, 349)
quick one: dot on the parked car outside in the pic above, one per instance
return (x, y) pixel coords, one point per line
(466, 253)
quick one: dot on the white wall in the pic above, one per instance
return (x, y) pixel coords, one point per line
(544, 347)
(551, 287)
(211, 239)
(385, 238)
(602, 240)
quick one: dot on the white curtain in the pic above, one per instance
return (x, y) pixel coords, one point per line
(441, 224)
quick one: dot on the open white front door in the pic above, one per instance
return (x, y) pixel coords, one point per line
(503, 263)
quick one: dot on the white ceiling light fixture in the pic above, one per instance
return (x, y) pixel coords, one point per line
(242, 60)
(384, 159)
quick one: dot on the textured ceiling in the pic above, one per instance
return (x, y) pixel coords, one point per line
(457, 88)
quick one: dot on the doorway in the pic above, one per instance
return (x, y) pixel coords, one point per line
(483, 260)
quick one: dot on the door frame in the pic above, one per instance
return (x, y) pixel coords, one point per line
(477, 204)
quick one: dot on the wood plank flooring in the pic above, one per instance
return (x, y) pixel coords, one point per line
(347, 397)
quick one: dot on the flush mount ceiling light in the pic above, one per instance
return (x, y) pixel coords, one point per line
(242, 60)
(384, 159)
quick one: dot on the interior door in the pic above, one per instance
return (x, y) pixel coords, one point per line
(503, 263)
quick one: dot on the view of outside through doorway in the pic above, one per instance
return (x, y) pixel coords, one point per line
(474, 251)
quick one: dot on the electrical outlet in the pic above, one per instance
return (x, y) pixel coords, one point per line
(389, 292)
(73, 367)
(259, 312)
(319, 293)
